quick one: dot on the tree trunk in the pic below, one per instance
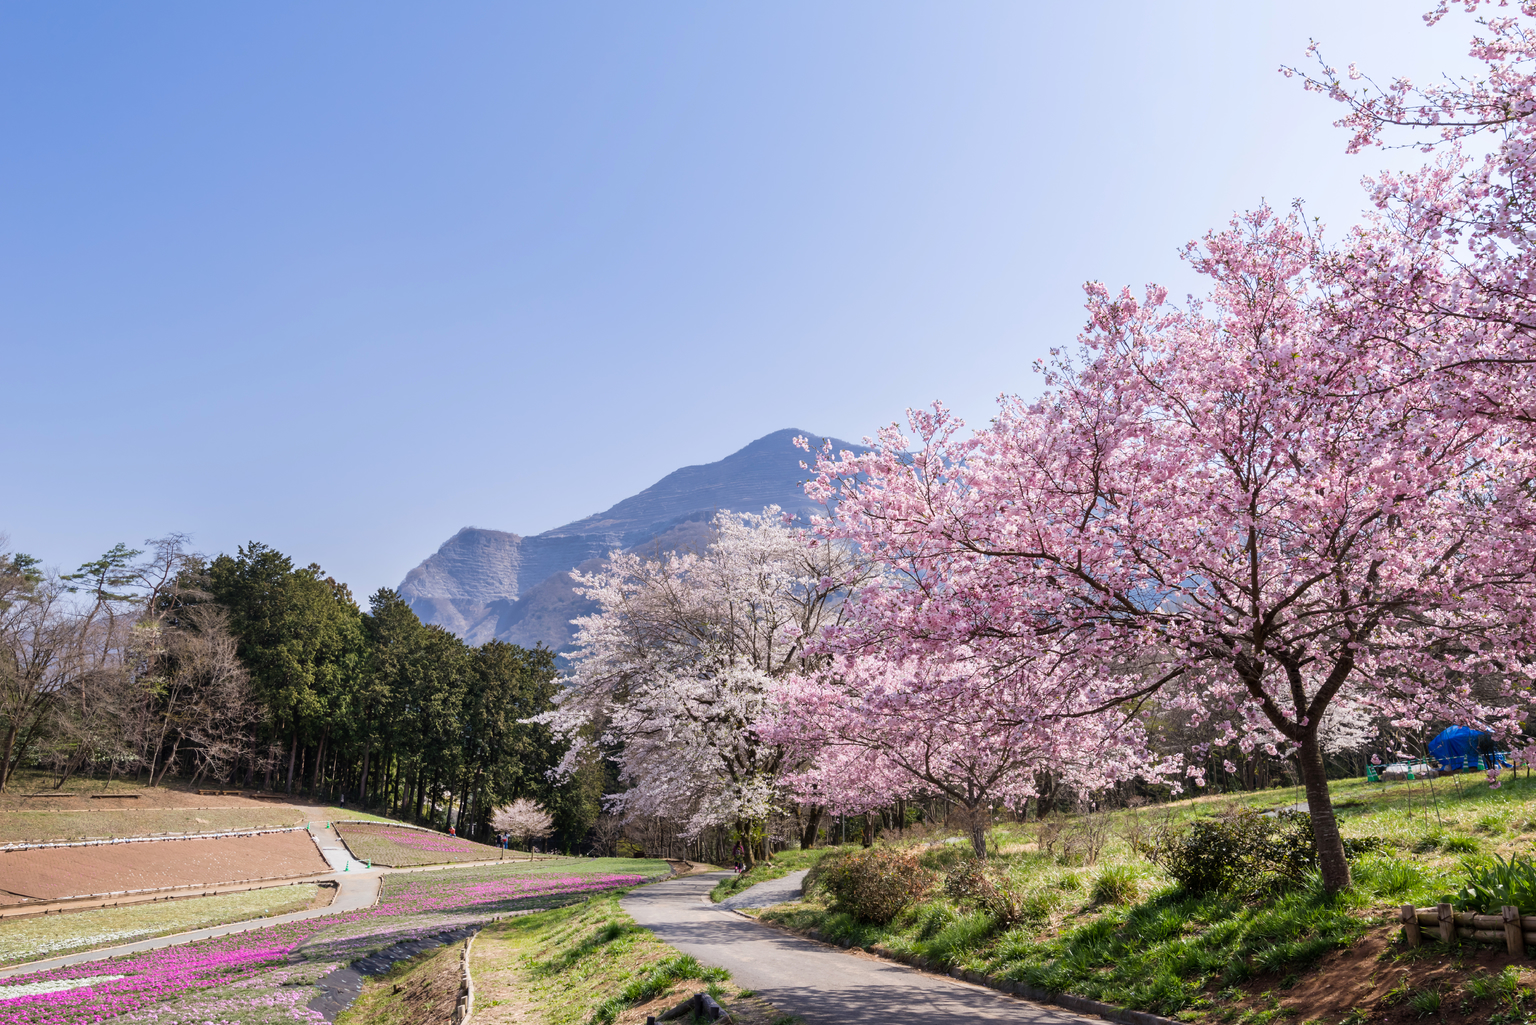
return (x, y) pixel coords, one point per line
(1325, 828)
(314, 784)
(170, 760)
(979, 820)
(293, 754)
(71, 766)
(812, 824)
(362, 785)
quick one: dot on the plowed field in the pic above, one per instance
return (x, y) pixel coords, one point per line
(56, 872)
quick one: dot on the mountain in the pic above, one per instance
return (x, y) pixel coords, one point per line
(485, 584)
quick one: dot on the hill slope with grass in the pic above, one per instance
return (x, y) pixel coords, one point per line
(1102, 906)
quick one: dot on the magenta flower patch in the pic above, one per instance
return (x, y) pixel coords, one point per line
(266, 975)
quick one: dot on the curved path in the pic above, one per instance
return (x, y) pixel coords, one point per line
(768, 893)
(821, 984)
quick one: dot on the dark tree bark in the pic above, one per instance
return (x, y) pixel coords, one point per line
(812, 824)
(1325, 826)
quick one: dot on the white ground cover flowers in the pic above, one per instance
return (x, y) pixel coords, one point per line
(34, 939)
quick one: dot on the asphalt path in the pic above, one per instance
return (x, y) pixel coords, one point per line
(822, 984)
(766, 894)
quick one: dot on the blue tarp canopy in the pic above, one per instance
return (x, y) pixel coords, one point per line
(1459, 747)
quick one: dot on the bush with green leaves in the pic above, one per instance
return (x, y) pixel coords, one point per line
(969, 883)
(1242, 853)
(1491, 884)
(873, 885)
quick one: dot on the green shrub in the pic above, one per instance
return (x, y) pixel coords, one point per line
(1243, 853)
(969, 883)
(1492, 884)
(1116, 885)
(873, 885)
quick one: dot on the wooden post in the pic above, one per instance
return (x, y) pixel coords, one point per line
(1411, 925)
(1447, 923)
(1514, 937)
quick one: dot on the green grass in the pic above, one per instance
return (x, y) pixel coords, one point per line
(411, 991)
(1122, 932)
(783, 863)
(1166, 953)
(587, 963)
(31, 939)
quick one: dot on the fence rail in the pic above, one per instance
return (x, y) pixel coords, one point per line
(1508, 927)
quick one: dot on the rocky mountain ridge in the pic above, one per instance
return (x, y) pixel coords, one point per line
(483, 584)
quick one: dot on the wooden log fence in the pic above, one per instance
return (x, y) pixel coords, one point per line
(466, 1003)
(1509, 927)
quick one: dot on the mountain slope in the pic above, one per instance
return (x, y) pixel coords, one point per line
(485, 584)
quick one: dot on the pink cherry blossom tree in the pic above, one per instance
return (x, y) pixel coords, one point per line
(1229, 508)
(1446, 267)
(879, 730)
(524, 819)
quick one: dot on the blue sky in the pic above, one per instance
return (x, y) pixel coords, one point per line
(346, 277)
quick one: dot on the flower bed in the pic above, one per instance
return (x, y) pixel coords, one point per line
(267, 975)
(400, 848)
(32, 939)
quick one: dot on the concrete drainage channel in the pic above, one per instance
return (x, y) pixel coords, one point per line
(341, 987)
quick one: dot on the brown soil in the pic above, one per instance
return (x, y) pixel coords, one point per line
(1364, 975)
(689, 868)
(58, 872)
(430, 993)
(141, 801)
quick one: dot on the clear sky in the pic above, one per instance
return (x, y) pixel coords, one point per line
(345, 277)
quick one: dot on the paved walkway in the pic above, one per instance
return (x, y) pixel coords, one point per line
(821, 984)
(766, 894)
(355, 890)
(332, 849)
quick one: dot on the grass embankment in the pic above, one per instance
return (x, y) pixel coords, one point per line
(420, 991)
(1121, 931)
(590, 963)
(783, 863)
(46, 936)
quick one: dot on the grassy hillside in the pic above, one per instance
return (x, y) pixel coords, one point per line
(1114, 926)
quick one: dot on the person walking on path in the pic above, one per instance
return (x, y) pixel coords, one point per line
(736, 853)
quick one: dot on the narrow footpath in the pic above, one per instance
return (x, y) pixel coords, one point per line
(822, 984)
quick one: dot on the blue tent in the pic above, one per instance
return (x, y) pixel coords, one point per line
(1458, 747)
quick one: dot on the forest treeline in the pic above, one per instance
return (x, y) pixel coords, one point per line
(250, 671)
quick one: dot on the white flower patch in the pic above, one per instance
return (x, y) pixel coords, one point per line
(57, 986)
